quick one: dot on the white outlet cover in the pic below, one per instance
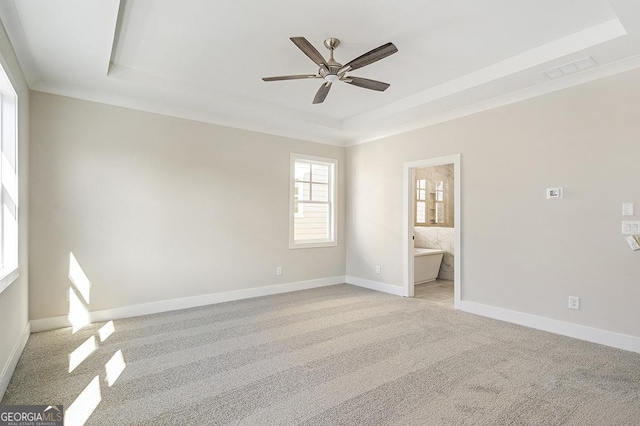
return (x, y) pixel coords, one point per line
(574, 302)
(627, 209)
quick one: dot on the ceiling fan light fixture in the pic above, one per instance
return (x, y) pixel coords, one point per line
(331, 71)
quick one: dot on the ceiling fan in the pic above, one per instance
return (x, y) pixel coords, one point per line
(332, 71)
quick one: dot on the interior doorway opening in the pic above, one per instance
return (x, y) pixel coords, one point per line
(432, 210)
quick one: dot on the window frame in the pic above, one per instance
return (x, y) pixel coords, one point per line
(332, 202)
(9, 223)
(417, 199)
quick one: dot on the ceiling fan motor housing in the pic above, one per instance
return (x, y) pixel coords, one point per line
(332, 74)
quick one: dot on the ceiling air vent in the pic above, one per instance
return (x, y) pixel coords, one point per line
(570, 68)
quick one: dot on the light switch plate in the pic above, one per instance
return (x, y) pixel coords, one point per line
(630, 227)
(627, 209)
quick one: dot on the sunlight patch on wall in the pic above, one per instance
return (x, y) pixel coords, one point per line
(81, 409)
(81, 353)
(78, 278)
(78, 314)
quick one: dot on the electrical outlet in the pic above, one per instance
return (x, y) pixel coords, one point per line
(279, 270)
(377, 269)
(574, 302)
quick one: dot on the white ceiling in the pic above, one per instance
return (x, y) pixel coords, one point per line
(204, 60)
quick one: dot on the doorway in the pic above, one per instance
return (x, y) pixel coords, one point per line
(409, 221)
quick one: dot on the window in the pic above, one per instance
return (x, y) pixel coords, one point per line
(439, 195)
(430, 203)
(312, 213)
(421, 201)
(8, 183)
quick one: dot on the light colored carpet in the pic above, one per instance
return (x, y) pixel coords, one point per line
(337, 355)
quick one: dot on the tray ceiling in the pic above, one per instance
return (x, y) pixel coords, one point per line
(204, 60)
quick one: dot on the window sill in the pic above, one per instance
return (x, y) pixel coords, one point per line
(7, 279)
(312, 245)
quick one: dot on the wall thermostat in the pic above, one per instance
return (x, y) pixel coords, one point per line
(554, 193)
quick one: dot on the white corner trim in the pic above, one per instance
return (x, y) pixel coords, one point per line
(374, 285)
(10, 366)
(590, 334)
(52, 323)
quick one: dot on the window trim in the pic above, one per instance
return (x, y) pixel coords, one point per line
(9, 278)
(417, 199)
(332, 241)
(9, 270)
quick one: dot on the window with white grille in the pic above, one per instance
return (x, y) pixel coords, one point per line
(312, 206)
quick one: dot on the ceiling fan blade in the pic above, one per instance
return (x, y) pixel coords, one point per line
(308, 49)
(289, 77)
(366, 83)
(370, 57)
(322, 93)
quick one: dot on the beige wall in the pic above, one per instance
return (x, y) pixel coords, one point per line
(14, 314)
(157, 208)
(520, 251)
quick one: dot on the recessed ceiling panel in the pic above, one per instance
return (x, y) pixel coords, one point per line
(205, 60)
(229, 46)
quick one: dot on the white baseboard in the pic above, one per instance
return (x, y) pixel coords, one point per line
(590, 334)
(374, 285)
(44, 324)
(10, 366)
